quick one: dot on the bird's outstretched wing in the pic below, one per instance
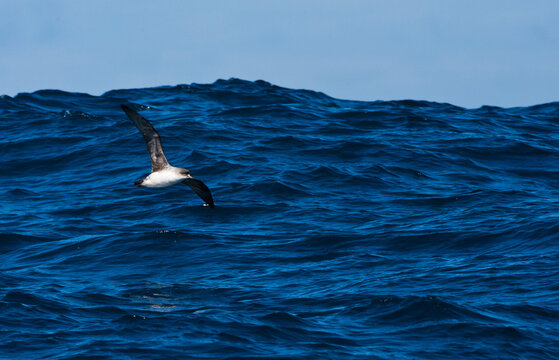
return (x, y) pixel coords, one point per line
(201, 189)
(158, 159)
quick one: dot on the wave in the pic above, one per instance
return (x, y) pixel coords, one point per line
(342, 228)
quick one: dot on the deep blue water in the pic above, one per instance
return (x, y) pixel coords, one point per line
(342, 229)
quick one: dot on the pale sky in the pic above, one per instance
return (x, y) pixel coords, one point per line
(468, 53)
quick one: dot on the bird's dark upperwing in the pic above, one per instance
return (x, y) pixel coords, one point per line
(158, 159)
(201, 189)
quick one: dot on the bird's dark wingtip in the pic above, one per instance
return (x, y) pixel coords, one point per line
(201, 190)
(125, 107)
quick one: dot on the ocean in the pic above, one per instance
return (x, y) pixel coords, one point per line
(342, 229)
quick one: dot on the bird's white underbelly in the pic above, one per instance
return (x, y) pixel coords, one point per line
(163, 178)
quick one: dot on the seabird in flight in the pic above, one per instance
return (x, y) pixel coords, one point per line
(162, 173)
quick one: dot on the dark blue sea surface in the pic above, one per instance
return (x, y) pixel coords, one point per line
(342, 229)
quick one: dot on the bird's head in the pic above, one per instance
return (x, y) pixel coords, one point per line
(185, 172)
